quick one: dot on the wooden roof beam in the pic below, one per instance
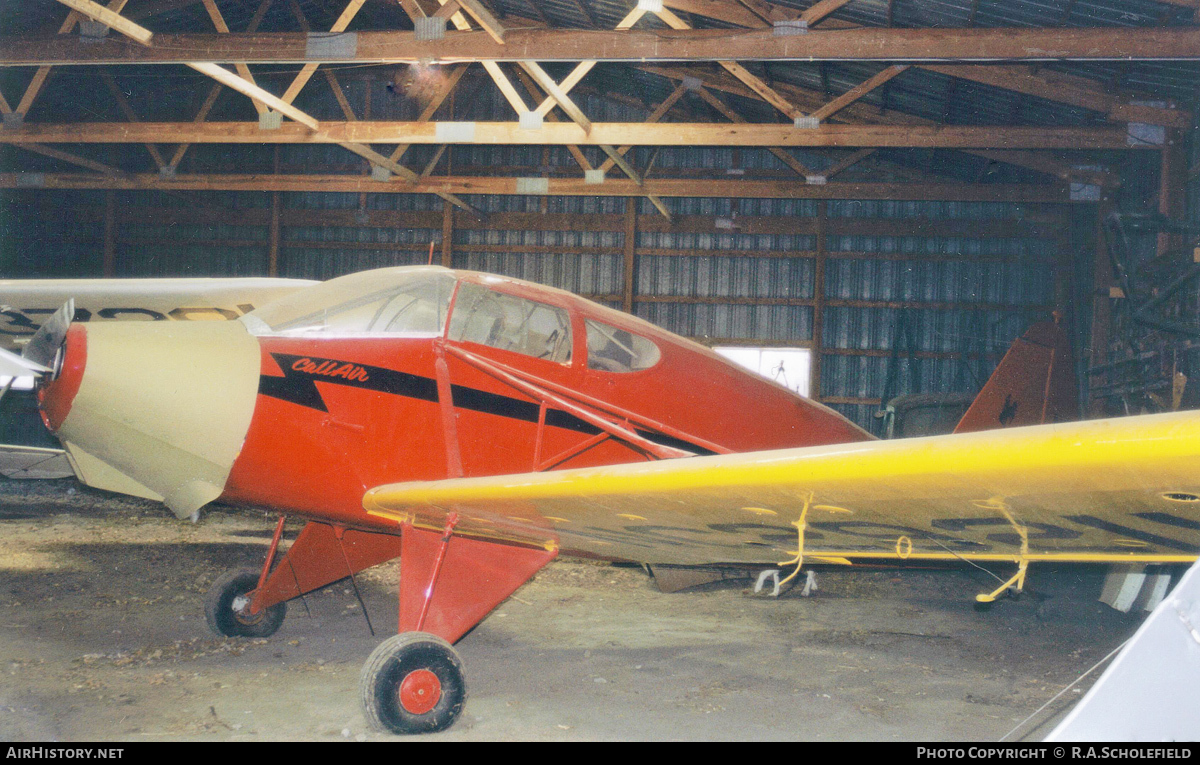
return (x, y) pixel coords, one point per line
(666, 187)
(547, 83)
(556, 92)
(532, 89)
(281, 105)
(307, 71)
(439, 97)
(214, 13)
(493, 69)
(39, 77)
(610, 133)
(860, 113)
(588, 15)
(659, 112)
(215, 91)
(484, 18)
(847, 162)
(1077, 91)
(759, 43)
(123, 104)
(229, 79)
(232, 81)
(820, 10)
(583, 67)
(858, 91)
(73, 159)
(1064, 88)
(112, 18)
(339, 95)
(764, 91)
(201, 115)
(801, 169)
(614, 156)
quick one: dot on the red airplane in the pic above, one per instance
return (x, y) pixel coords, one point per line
(477, 426)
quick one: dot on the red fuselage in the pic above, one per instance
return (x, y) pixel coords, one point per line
(404, 374)
(337, 416)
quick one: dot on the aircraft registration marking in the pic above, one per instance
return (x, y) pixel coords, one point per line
(897, 540)
(690, 540)
(20, 322)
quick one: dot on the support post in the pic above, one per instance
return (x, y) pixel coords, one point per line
(447, 234)
(814, 389)
(273, 246)
(110, 233)
(1102, 280)
(629, 252)
(273, 251)
(1171, 182)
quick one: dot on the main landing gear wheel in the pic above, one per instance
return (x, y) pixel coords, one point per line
(413, 683)
(226, 608)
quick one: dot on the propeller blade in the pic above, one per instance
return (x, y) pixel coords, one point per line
(45, 344)
(12, 365)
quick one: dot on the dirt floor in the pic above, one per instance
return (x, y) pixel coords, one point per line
(102, 637)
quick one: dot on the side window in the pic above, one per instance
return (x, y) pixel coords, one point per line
(420, 309)
(510, 323)
(615, 350)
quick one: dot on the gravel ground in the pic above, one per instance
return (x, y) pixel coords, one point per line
(102, 637)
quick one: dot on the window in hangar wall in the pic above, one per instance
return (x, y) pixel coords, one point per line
(790, 367)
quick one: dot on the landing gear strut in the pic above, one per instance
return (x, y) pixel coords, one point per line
(227, 608)
(413, 683)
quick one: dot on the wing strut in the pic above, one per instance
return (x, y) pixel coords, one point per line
(797, 559)
(587, 410)
(1017, 580)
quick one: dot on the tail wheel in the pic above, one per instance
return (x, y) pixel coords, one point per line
(226, 608)
(413, 683)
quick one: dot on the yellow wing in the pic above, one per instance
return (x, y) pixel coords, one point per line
(1124, 490)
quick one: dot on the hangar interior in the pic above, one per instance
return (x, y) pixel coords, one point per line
(900, 204)
(891, 191)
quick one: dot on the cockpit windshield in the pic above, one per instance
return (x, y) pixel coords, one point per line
(409, 301)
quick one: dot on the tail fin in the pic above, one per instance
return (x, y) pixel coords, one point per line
(1034, 383)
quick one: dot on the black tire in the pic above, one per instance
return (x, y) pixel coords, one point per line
(224, 620)
(416, 657)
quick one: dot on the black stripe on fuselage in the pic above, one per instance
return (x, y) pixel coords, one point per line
(514, 408)
(302, 373)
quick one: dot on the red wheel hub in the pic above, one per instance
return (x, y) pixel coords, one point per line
(420, 691)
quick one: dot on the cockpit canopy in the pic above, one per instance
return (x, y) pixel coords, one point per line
(413, 301)
(410, 301)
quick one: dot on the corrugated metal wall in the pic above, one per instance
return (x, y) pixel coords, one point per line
(937, 311)
(743, 271)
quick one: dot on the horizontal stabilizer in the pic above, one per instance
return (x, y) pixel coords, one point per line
(33, 462)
